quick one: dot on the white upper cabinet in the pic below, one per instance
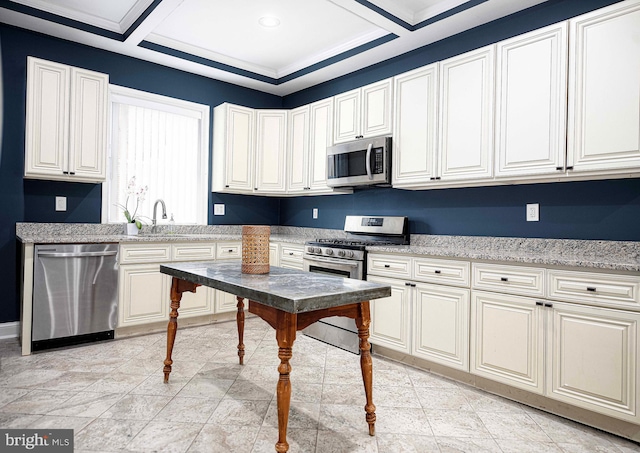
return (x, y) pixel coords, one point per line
(310, 133)
(363, 112)
(271, 147)
(66, 122)
(531, 79)
(466, 115)
(604, 89)
(415, 126)
(297, 174)
(233, 149)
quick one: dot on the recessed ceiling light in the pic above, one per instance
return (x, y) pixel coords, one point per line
(269, 21)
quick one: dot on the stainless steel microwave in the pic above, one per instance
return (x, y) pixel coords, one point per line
(360, 162)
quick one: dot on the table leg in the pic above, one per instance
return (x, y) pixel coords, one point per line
(363, 320)
(172, 328)
(178, 286)
(240, 321)
(285, 335)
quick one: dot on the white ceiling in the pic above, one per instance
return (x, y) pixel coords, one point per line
(317, 40)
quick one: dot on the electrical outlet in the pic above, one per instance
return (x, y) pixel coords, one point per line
(61, 203)
(533, 212)
(218, 209)
(315, 213)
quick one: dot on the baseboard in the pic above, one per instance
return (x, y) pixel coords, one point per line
(9, 330)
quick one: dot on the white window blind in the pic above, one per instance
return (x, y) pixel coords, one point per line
(163, 142)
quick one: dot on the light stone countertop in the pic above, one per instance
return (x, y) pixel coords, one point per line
(587, 254)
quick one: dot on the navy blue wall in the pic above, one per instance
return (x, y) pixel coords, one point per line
(608, 209)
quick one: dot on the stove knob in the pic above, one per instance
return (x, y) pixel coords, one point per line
(310, 249)
(341, 252)
(328, 252)
(317, 250)
(349, 254)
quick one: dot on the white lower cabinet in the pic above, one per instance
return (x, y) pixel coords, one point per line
(429, 321)
(593, 359)
(441, 325)
(291, 256)
(507, 340)
(144, 294)
(391, 316)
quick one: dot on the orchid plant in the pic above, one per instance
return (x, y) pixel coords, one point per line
(137, 192)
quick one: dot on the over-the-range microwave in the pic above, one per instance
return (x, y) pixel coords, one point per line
(360, 162)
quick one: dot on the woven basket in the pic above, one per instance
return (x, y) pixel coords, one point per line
(255, 249)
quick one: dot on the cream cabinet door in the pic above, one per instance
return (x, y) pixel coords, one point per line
(347, 116)
(604, 89)
(415, 126)
(233, 149)
(298, 150)
(225, 302)
(390, 316)
(507, 340)
(376, 117)
(88, 125)
(441, 325)
(271, 147)
(47, 122)
(320, 138)
(531, 80)
(196, 304)
(144, 294)
(593, 360)
(465, 146)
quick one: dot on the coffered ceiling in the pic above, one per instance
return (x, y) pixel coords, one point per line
(314, 40)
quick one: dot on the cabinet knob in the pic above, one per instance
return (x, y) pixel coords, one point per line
(548, 304)
(438, 271)
(504, 279)
(65, 172)
(539, 304)
(591, 288)
(570, 168)
(559, 168)
(387, 265)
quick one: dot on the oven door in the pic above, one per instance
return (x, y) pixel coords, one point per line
(334, 266)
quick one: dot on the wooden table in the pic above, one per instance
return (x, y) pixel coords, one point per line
(288, 300)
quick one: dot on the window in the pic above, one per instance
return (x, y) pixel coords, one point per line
(164, 143)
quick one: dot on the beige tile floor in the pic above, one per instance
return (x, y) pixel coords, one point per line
(113, 396)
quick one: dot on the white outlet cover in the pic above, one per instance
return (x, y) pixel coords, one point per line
(218, 209)
(533, 212)
(61, 203)
(315, 213)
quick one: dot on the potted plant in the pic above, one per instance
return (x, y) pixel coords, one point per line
(138, 192)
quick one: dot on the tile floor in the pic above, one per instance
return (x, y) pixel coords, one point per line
(113, 396)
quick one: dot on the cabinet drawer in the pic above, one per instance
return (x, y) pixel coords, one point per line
(387, 266)
(291, 252)
(509, 279)
(447, 272)
(194, 251)
(229, 250)
(145, 253)
(594, 288)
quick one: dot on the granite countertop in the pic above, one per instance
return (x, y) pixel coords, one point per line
(583, 254)
(289, 290)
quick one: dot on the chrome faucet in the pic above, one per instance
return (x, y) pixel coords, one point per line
(164, 213)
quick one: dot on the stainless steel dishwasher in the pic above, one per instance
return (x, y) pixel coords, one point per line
(75, 294)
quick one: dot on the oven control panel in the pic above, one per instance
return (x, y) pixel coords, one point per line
(315, 250)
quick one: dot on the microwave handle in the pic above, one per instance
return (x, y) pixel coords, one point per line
(368, 161)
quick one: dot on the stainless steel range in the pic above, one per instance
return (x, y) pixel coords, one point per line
(347, 257)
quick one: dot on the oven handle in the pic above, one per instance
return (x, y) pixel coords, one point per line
(368, 160)
(322, 259)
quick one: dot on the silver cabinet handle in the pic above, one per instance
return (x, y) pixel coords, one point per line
(368, 160)
(74, 255)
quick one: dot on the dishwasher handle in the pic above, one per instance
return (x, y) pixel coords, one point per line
(75, 254)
